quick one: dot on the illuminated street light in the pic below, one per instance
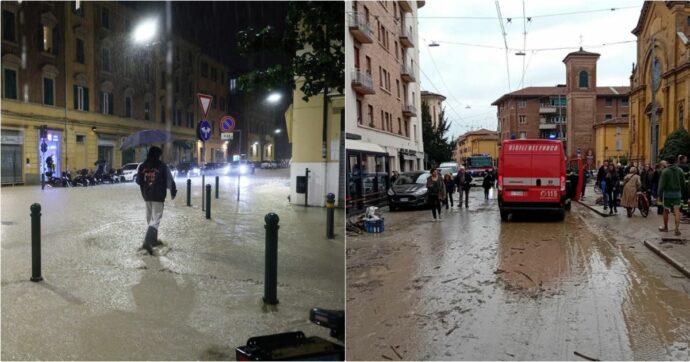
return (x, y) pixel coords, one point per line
(274, 97)
(278, 130)
(145, 31)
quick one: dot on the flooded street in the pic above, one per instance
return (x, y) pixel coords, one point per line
(472, 287)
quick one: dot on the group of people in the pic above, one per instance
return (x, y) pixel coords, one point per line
(440, 189)
(664, 182)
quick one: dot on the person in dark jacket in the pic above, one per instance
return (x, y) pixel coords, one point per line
(601, 182)
(464, 182)
(612, 187)
(450, 189)
(487, 184)
(154, 179)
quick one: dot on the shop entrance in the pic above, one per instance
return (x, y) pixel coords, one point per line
(53, 143)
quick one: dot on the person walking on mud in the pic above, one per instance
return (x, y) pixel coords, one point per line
(671, 182)
(436, 191)
(631, 183)
(487, 184)
(450, 189)
(154, 178)
(612, 186)
(464, 182)
(601, 182)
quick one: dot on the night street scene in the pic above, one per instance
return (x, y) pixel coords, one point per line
(172, 185)
(517, 180)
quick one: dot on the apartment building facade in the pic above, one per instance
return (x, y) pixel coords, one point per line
(383, 128)
(84, 77)
(566, 112)
(479, 142)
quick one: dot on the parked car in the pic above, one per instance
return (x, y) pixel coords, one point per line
(188, 169)
(129, 171)
(409, 190)
(216, 169)
(242, 167)
(270, 164)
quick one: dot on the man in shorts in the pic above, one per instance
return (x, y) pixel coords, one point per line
(671, 183)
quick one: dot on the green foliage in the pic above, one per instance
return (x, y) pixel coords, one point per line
(623, 159)
(677, 143)
(436, 146)
(313, 40)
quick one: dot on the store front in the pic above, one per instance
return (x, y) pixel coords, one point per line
(11, 152)
(367, 174)
(53, 143)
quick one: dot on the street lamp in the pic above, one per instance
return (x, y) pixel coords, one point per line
(277, 131)
(145, 31)
(273, 97)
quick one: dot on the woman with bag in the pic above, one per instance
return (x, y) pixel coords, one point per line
(631, 183)
(436, 191)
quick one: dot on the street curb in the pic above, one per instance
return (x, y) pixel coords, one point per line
(593, 209)
(668, 258)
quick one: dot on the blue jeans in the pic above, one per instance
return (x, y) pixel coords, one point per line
(603, 191)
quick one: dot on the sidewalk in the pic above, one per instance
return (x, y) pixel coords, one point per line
(673, 249)
(101, 300)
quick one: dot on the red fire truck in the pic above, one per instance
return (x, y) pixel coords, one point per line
(531, 177)
(478, 166)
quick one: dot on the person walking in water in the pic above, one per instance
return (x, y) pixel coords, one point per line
(450, 189)
(154, 179)
(436, 191)
(631, 183)
(671, 182)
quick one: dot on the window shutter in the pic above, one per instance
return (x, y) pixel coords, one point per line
(111, 104)
(76, 98)
(56, 40)
(86, 99)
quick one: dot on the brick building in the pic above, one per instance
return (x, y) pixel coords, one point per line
(567, 112)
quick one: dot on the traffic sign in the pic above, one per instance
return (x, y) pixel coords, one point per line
(205, 101)
(227, 124)
(204, 131)
(226, 136)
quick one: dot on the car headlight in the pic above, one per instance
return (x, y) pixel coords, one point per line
(390, 192)
(243, 168)
(419, 192)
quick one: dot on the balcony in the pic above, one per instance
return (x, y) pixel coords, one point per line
(547, 110)
(406, 39)
(409, 110)
(407, 73)
(359, 28)
(362, 82)
(405, 6)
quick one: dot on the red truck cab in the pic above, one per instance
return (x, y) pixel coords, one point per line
(531, 177)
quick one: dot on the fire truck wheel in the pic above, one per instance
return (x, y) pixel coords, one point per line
(504, 215)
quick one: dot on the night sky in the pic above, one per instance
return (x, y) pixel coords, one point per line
(213, 25)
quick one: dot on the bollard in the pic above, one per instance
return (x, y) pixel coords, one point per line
(203, 182)
(189, 192)
(208, 201)
(330, 210)
(271, 268)
(36, 243)
(216, 187)
(43, 181)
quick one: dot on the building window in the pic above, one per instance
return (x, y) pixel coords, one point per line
(584, 80)
(625, 102)
(147, 72)
(147, 111)
(81, 98)
(681, 114)
(370, 116)
(128, 106)
(359, 112)
(162, 114)
(80, 138)
(105, 17)
(523, 119)
(609, 101)
(399, 126)
(10, 83)
(106, 103)
(49, 91)
(204, 69)
(80, 51)
(407, 128)
(105, 58)
(47, 39)
(214, 74)
(8, 26)
(522, 104)
(190, 119)
(608, 116)
(624, 115)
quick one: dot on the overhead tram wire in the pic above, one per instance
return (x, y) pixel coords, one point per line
(505, 41)
(535, 49)
(460, 118)
(524, 44)
(450, 92)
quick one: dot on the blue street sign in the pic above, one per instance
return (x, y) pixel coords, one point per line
(227, 124)
(204, 131)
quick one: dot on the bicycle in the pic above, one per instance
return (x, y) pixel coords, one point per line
(642, 204)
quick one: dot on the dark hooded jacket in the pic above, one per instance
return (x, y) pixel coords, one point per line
(154, 178)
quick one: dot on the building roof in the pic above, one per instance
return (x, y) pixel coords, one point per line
(581, 53)
(531, 92)
(479, 132)
(432, 94)
(618, 121)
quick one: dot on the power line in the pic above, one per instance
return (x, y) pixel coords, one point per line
(450, 93)
(505, 41)
(460, 118)
(535, 49)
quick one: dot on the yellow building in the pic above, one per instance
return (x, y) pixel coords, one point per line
(612, 139)
(312, 148)
(477, 142)
(660, 80)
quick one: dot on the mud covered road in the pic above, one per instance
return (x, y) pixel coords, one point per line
(473, 287)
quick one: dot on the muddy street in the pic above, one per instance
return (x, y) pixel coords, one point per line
(473, 287)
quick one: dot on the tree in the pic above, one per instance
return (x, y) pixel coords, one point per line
(313, 41)
(437, 148)
(677, 143)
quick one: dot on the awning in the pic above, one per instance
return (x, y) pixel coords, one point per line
(354, 145)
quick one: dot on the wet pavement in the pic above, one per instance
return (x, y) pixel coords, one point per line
(100, 299)
(473, 287)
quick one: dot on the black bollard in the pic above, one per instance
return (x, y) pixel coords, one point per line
(36, 243)
(216, 187)
(208, 201)
(43, 181)
(330, 210)
(203, 182)
(271, 268)
(189, 192)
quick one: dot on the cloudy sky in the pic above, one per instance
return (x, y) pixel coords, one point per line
(475, 74)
